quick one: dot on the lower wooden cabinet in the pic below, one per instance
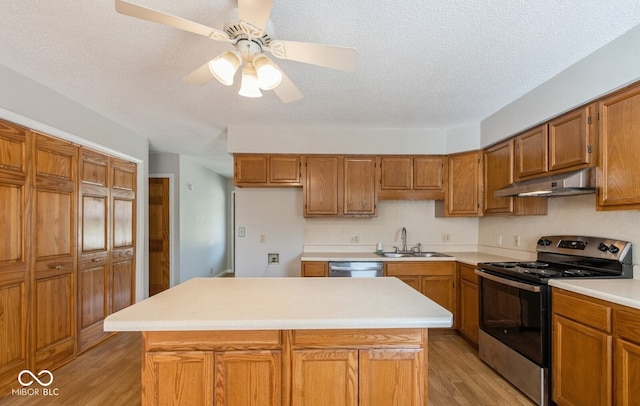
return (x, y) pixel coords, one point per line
(314, 269)
(361, 367)
(468, 319)
(596, 351)
(434, 279)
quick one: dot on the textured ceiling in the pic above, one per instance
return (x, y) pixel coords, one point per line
(422, 63)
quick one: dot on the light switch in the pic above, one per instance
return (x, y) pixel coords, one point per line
(240, 231)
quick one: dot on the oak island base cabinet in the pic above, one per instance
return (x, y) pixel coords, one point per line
(285, 367)
(267, 341)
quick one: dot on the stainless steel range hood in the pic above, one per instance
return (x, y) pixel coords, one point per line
(569, 183)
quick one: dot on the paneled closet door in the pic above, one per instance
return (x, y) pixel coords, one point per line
(53, 336)
(14, 251)
(123, 209)
(93, 249)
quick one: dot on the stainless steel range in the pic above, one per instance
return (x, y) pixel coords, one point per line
(515, 304)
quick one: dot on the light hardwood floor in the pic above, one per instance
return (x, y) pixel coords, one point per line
(109, 374)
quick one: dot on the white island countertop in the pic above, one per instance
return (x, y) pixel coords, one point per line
(282, 304)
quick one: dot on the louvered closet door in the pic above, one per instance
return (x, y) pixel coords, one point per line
(93, 249)
(123, 209)
(54, 252)
(14, 281)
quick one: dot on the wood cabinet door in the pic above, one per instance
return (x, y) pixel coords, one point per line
(325, 377)
(619, 132)
(323, 186)
(54, 254)
(627, 373)
(284, 170)
(463, 197)
(392, 377)
(498, 173)
(428, 173)
(413, 281)
(571, 140)
(190, 374)
(123, 237)
(532, 155)
(248, 378)
(93, 248)
(15, 250)
(396, 173)
(440, 289)
(582, 364)
(468, 320)
(359, 186)
(159, 235)
(251, 169)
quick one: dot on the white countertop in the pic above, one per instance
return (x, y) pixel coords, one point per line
(282, 304)
(470, 258)
(625, 292)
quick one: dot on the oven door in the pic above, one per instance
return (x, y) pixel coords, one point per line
(516, 314)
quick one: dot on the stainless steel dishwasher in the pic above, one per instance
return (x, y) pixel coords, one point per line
(356, 269)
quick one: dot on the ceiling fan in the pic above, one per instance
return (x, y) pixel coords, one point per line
(249, 30)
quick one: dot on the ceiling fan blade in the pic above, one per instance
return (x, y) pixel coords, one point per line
(134, 10)
(287, 91)
(329, 56)
(200, 76)
(255, 12)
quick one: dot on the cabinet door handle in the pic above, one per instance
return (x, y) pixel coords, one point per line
(58, 267)
(97, 259)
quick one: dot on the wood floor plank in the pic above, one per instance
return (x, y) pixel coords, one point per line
(109, 374)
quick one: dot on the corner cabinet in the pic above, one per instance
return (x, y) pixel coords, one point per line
(463, 197)
(498, 173)
(619, 130)
(340, 186)
(256, 170)
(563, 144)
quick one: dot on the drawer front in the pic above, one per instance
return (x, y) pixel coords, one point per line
(627, 324)
(467, 274)
(582, 309)
(419, 268)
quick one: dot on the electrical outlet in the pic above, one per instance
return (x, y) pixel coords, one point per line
(273, 258)
(499, 241)
(516, 240)
(355, 238)
(445, 237)
(262, 238)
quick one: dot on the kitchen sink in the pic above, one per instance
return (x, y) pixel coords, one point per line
(411, 254)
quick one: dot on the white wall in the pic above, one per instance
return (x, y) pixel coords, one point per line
(203, 221)
(276, 213)
(35, 106)
(323, 234)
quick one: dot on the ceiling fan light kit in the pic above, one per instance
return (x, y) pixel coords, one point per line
(225, 66)
(249, 86)
(250, 31)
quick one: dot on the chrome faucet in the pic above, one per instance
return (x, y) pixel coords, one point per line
(404, 239)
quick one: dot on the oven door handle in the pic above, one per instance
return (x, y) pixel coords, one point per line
(508, 282)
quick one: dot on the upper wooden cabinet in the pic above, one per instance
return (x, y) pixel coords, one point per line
(252, 170)
(340, 186)
(563, 144)
(412, 177)
(619, 131)
(463, 197)
(498, 173)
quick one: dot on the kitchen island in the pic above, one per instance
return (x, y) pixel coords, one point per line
(284, 341)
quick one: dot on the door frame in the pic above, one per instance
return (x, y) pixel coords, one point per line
(172, 229)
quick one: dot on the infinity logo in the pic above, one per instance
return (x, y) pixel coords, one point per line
(35, 378)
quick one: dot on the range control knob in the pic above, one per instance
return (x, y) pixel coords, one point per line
(544, 241)
(603, 247)
(613, 249)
